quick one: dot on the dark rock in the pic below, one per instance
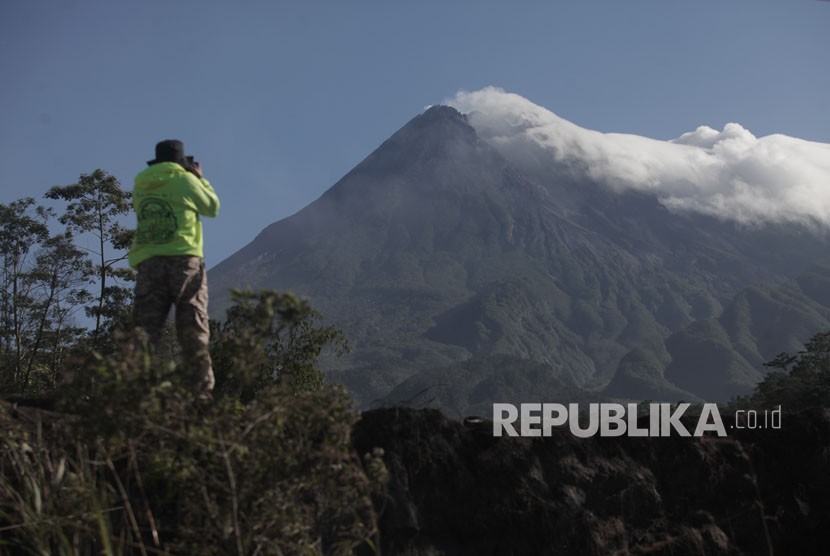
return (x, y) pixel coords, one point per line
(457, 490)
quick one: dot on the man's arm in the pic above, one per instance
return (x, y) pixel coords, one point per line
(204, 197)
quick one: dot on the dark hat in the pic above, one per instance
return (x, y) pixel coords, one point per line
(169, 150)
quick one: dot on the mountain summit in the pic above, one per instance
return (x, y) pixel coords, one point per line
(730, 174)
(462, 266)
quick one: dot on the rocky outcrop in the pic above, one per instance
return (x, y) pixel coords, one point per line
(455, 489)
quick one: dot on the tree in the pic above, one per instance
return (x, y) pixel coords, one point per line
(45, 279)
(22, 228)
(60, 275)
(797, 382)
(95, 202)
(271, 338)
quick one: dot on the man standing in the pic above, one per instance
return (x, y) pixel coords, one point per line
(167, 252)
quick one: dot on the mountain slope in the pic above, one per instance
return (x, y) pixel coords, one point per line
(719, 358)
(436, 249)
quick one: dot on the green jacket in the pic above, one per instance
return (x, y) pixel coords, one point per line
(168, 200)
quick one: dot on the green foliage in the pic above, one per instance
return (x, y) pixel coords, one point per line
(22, 228)
(93, 206)
(45, 278)
(799, 381)
(274, 338)
(137, 464)
(134, 463)
(42, 282)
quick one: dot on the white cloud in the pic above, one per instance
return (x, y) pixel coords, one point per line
(730, 174)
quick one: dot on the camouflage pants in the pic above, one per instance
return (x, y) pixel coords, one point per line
(180, 281)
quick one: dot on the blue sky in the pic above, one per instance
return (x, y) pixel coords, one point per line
(280, 99)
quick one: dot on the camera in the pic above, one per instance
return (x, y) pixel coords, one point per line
(190, 165)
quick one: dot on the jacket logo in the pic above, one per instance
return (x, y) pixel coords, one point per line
(156, 221)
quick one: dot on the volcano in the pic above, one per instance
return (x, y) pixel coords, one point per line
(462, 274)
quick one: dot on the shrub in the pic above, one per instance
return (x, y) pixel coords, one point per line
(797, 381)
(134, 464)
